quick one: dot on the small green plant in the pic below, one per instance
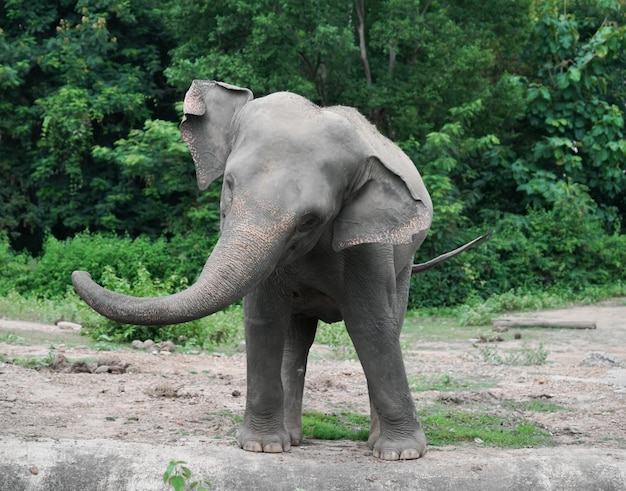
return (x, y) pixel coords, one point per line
(336, 336)
(178, 476)
(32, 362)
(525, 356)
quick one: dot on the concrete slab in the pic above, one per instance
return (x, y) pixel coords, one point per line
(105, 465)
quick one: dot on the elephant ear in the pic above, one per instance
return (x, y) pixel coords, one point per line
(209, 109)
(383, 210)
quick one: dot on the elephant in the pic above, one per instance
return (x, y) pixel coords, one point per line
(321, 216)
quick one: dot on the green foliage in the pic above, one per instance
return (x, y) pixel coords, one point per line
(574, 116)
(564, 247)
(50, 275)
(178, 476)
(336, 336)
(512, 110)
(342, 426)
(77, 75)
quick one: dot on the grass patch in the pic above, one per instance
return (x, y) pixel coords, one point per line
(342, 426)
(31, 362)
(15, 306)
(443, 426)
(447, 427)
(535, 405)
(445, 383)
(525, 356)
(435, 329)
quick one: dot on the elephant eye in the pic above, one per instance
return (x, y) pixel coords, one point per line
(307, 223)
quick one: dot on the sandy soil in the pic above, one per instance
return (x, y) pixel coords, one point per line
(178, 398)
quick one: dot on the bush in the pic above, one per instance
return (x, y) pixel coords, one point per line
(564, 248)
(51, 276)
(15, 268)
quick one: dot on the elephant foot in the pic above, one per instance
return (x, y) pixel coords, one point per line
(401, 448)
(296, 438)
(263, 442)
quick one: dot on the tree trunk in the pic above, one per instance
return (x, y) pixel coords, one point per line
(514, 322)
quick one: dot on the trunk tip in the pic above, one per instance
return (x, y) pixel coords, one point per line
(79, 278)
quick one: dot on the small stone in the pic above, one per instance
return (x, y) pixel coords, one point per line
(80, 367)
(109, 361)
(236, 393)
(102, 369)
(33, 470)
(599, 359)
(137, 344)
(166, 346)
(72, 326)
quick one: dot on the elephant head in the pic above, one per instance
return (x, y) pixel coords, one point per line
(295, 175)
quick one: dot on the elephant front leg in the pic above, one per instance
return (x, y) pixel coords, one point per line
(263, 428)
(396, 433)
(299, 339)
(374, 311)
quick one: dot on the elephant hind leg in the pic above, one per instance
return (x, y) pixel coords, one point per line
(300, 336)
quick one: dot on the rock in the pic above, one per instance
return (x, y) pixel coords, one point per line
(148, 343)
(80, 367)
(166, 346)
(102, 369)
(599, 359)
(137, 344)
(60, 362)
(72, 326)
(109, 361)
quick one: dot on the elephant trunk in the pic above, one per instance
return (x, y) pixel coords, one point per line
(239, 262)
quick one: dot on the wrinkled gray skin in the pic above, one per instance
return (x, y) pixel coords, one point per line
(321, 217)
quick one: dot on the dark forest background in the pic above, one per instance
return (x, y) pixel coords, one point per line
(513, 110)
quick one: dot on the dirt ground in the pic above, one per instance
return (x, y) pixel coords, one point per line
(163, 398)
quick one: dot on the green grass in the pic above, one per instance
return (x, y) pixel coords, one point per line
(342, 426)
(535, 405)
(445, 426)
(435, 329)
(32, 362)
(446, 383)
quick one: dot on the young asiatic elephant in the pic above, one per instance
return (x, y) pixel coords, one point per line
(321, 217)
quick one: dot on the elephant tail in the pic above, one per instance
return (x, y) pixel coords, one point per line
(421, 267)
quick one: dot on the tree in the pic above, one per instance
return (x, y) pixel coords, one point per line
(574, 122)
(78, 74)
